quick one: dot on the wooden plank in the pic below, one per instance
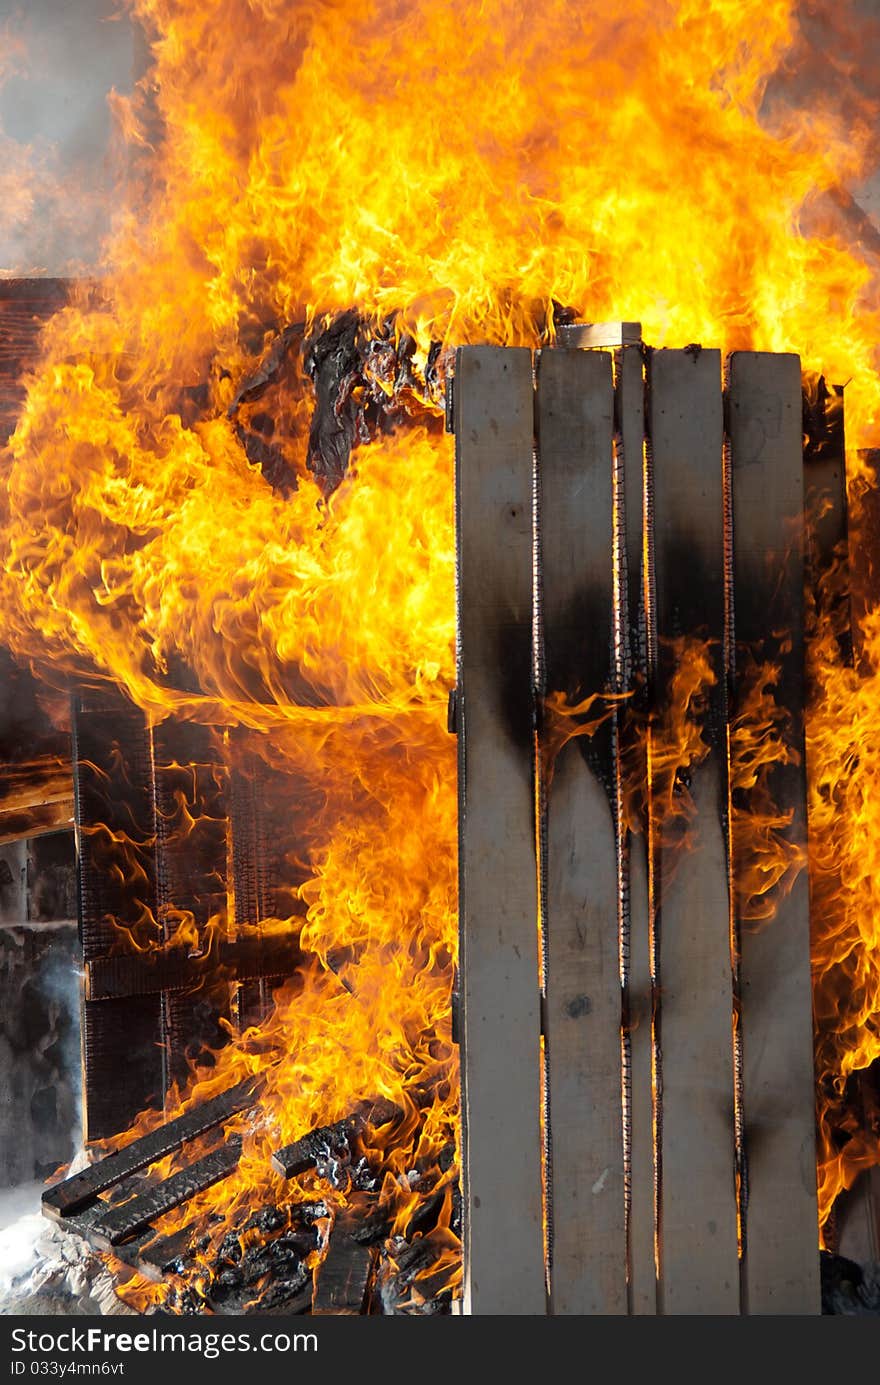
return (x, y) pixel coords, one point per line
(501, 1062)
(190, 782)
(575, 430)
(699, 1271)
(264, 808)
(115, 835)
(25, 306)
(304, 1153)
(344, 1276)
(242, 958)
(826, 504)
(76, 1192)
(168, 1254)
(41, 819)
(120, 1223)
(639, 997)
(781, 1261)
(864, 556)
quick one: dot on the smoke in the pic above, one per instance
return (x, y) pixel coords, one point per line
(61, 163)
(59, 983)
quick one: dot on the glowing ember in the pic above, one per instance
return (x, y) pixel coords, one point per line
(451, 172)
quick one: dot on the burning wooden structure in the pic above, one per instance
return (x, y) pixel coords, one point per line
(634, 1002)
(635, 925)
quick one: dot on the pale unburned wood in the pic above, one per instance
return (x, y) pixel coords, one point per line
(699, 1268)
(575, 416)
(781, 1265)
(503, 1243)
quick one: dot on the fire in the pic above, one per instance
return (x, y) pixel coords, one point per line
(453, 172)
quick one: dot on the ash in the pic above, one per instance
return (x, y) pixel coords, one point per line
(46, 1271)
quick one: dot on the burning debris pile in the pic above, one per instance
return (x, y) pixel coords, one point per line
(269, 1262)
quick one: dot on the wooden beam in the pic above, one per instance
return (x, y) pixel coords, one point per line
(115, 835)
(147, 973)
(827, 507)
(304, 1153)
(168, 1254)
(781, 1262)
(190, 783)
(120, 1223)
(344, 1276)
(638, 637)
(70, 1196)
(24, 824)
(501, 1062)
(25, 306)
(864, 554)
(575, 431)
(699, 1270)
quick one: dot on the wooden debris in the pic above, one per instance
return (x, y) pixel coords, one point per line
(77, 1192)
(120, 1223)
(344, 1277)
(167, 1255)
(305, 1153)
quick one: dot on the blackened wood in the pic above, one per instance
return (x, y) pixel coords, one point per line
(237, 959)
(190, 780)
(74, 1193)
(115, 830)
(575, 435)
(122, 1063)
(168, 1254)
(826, 505)
(501, 1056)
(24, 824)
(304, 1153)
(639, 638)
(344, 1276)
(263, 815)
(781, 1265)
(83, 1224)
(25, 307)
(241, 1304)
(120, 1223)
(699, 1269)
(864, 553)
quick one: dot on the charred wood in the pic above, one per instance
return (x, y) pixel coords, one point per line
(344, 1277)
(365, 379)
(238, 959)
(119, 1223)
(77, 1192)
(317, 1145)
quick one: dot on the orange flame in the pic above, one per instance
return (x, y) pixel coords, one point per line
(457, 170)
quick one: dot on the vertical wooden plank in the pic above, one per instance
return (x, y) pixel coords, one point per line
(575, 428)
(781, 1220)
(191, 848)
(115, 838)
(864, 553)
(634, 771)
(828, 548)
(265, 807)
(501, 1141)
(699, 1270)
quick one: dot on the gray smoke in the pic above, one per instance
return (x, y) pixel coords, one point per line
(59, 162)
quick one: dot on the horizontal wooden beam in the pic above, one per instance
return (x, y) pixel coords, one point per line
(145, 973)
